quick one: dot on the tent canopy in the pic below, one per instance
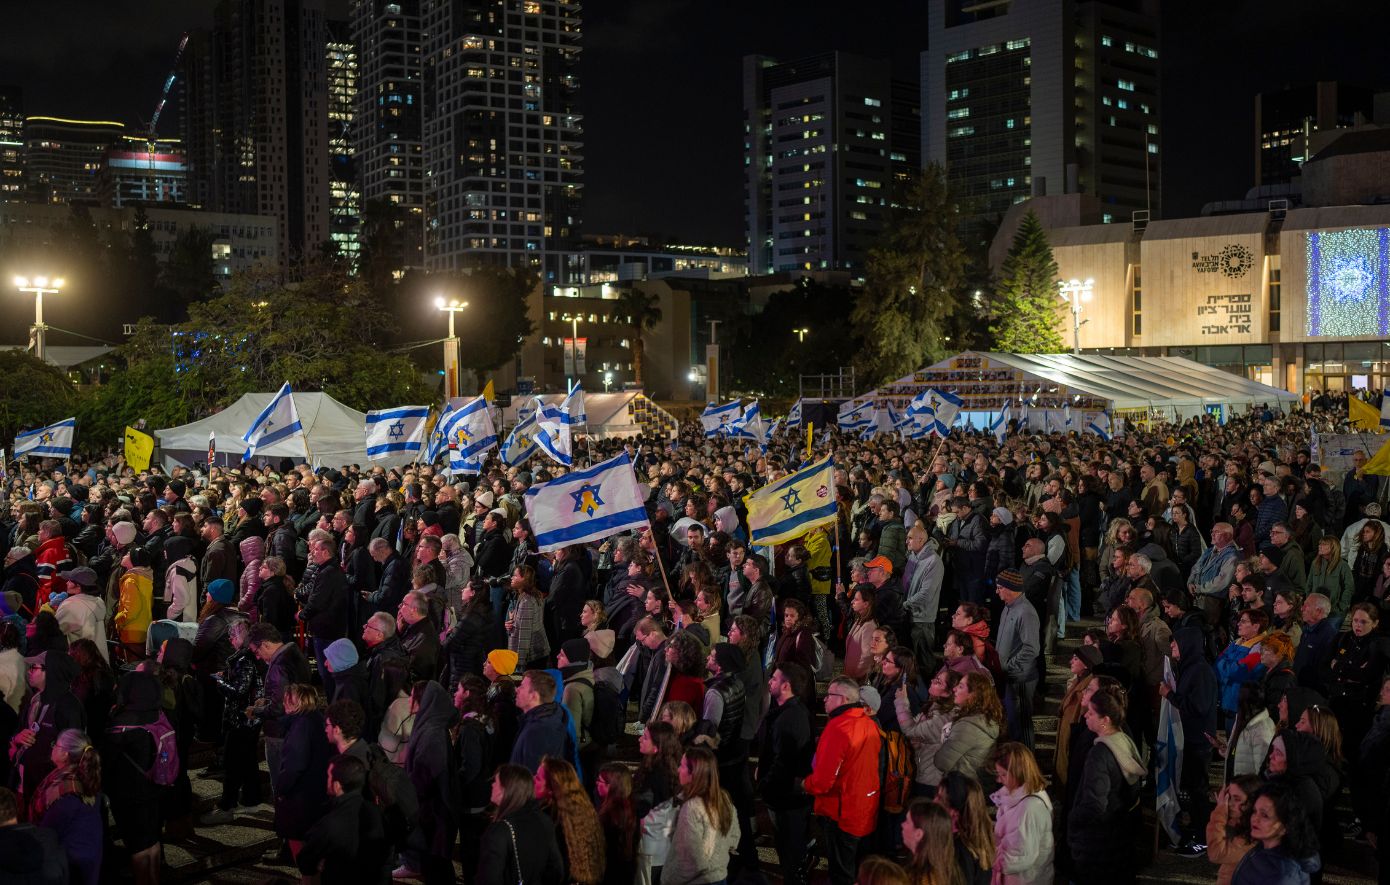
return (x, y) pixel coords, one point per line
(617, 414)
(336, 434)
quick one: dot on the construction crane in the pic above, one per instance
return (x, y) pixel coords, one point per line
(151, 144)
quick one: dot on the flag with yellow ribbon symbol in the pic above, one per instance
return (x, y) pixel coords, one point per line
(794, 505)
(1363, 416)
(139, 447)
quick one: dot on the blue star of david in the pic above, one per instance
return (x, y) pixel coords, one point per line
(396, 431)
(587, 499)
(791, 500)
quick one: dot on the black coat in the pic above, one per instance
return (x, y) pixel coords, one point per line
(468, 643)
(274, 603)
(421, 642)
(475, 757)
(288, 667)
(785, 752)
(351, 684)
(1306, 772)
(213, 644)
(1197, 695)
(430, 762)
(394, 584)
(325, 608)
(493, 554)
(31, 855)
(302, 787)
(388, 670)
(1099, 830)
(566, 600)
(999, 555)
(502, 859)
(348, 844)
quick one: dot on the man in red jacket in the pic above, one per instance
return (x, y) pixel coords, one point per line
(52, 550)
(845, 778)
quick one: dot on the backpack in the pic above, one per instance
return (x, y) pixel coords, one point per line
(896, 769)
(390, 787)
(76, 555)
(825, 661)
(166, 751)
(609, 715)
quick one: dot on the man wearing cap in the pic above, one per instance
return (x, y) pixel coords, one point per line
(888, 599)
(249, 522)
(578, 697)
(60, 509)
(83, 614)
(1018, 649)
(1271, 558)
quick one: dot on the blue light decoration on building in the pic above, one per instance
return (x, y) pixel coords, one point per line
(1348, 283)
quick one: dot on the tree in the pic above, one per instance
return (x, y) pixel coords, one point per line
(912, 280)
(642, 313)
(1029, 319)
(189, 273)
(767, 355)
(32, 394)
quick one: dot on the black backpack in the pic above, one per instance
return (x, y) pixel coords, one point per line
(609, 716)
(390, 786)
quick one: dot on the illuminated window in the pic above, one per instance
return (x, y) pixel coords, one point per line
(1138, 303)
(958, 113)
(1127, 85)
(1104, 41)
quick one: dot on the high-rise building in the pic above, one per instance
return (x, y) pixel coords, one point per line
(11, 142)
(137, 170)
(825, 139)
(1035, 97)
(256, 114)
(503, 141)
(62, 158)
(388, 116)
(1285, 123)
(345, 191)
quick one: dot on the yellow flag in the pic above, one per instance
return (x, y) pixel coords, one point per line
(1363, 416)
(1380, 464)
(489, 396)
(809, 439)
(138, 449)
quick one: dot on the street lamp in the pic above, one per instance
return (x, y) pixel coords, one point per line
(39, 286)
(451, 347)
(801, 334)
(1074, 292)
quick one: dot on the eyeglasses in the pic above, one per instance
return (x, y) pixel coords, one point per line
(36, 667)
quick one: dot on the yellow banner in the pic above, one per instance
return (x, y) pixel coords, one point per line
(138, 449)
(1363, 416)
(1380, 464)
(488, 395)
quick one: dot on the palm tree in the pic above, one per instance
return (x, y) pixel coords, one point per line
(642, 313)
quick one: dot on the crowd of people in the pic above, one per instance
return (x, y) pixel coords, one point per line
(427, 688)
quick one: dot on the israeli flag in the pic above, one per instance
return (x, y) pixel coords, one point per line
(854, 417)
(1385, 410)
(776, 426)
(825, 437)
(1066, 417)
(715, 419)
(1001, 424)
(794, 416)
(554, 433)
(1169, 745)
(901, 423)
(53, 441)
(1100, 426)
(751, 426)
(522, 441)
(946, 406)
(437, 443)
(586, 505)
(469, 434)
(277, 423)
(1022, 413)
(396, 430)
(573, 407)
(921, 414)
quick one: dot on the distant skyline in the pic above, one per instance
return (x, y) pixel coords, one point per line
(661, 85)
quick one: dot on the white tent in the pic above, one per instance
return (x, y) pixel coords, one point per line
(336, 435)
(618, 414)
(1171, 387)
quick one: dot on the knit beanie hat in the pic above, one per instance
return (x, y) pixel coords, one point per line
(729, 657)
(123, 532)
(222, 590)
(576, 650)
(1009, 580)
(252, 506)
(869, 697)
(1004, 515)
(341, 654)
(503, 661)
(1090, 656)
(602, 642)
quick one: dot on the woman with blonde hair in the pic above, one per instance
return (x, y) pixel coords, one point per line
(1331, 576)
(577, 829)
(707, 603)
(517, 820)
(964, 799)
(706, 826)
(927, 729)
(927, 833)
(68, 801)
(1024, 823)
(526, 621)
(978, 721)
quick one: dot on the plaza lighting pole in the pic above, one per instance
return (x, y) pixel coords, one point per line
(1074, 292)
(451, 348)
(39, 286)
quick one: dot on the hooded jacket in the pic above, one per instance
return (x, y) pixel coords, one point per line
(1165, 573)
(47, 557)
(1023, 830)
(1197, 694)
(252, 549)
(844, 779)
(83, 616)
(1099, 833)
(1264, 866)
(48, 713)
(578, 698)
(133, 615)
(301, 789)
(127, 750)
(180, 580)
(429, 761)
(1306, 772)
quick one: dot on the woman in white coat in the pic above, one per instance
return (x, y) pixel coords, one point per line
(83, 614)
(1250, 737)
(1023, 827)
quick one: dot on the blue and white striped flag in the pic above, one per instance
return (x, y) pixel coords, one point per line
(1066, 417)
(521, 442)
(573, 407)
(854, 417)
(1100, 426)
(437, 443)
(277, 423)
(1169, 766)
(1001, 424)
(469, 433)
(794, 416)
(390, 431)
(946, 406)
(586, 505)
(882, 423)
(53, 441)
(553, 432)
(776, 426)
(750, 426)
(1023, 414)
(716, 419)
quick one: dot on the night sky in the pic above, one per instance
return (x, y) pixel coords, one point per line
(662, 92)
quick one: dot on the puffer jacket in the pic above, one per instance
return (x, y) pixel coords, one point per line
(1000, 553)
(1023, 831)
(845, 777)
(1238, 663)
(1099, 831)
(467, 645)
(1252, 746)
(966, 748)
(240, 683)
(1264, 866)
(578, 698)
(84, 617)
(699, 853)
(252, 553)
(180, 580)
(927, 733)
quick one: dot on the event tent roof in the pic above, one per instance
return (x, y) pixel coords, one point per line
(336, 434)
(617, 414)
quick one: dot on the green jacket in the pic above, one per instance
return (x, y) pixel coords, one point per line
(1337, 584)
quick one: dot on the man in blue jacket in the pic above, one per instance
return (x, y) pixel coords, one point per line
(1195, 699)
(544, 724)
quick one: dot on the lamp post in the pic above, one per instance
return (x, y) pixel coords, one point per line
(1074, 292)
(451, 347)
(39, 286)
(801, 335)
